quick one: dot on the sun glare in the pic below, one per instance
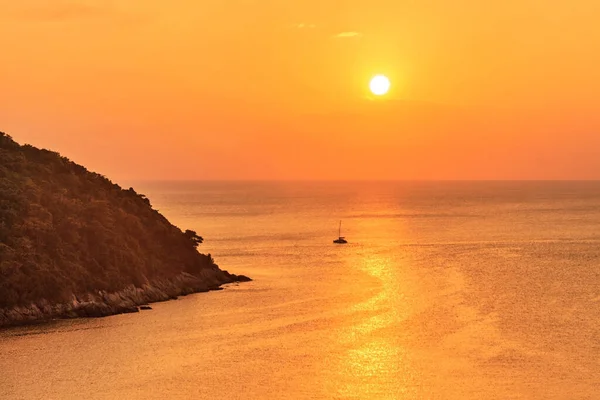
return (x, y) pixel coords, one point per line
(379, 85)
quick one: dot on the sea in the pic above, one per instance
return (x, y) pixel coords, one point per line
(445, 290)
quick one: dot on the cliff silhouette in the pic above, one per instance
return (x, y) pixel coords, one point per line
(74, 244)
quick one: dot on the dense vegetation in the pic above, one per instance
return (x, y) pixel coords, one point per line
(65, 230)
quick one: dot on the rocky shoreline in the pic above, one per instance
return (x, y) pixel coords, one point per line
(128, 300)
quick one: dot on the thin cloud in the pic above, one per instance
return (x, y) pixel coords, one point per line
(348, 35)
(303, 25)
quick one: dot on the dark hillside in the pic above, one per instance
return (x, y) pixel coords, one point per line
(66, 232)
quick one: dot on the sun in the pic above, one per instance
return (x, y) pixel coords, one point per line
(379, 85)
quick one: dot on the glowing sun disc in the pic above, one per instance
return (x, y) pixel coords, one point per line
(379, 85)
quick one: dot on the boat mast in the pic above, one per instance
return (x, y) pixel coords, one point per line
(340, 230)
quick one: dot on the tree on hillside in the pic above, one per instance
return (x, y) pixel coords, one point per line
(193, 237)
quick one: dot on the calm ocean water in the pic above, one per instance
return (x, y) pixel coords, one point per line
(457, 290)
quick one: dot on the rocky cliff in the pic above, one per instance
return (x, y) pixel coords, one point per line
(74, 244)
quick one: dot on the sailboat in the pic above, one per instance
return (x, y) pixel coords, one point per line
(340, 239)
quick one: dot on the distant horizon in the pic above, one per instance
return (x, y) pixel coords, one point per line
(122, 178)
(351, 180)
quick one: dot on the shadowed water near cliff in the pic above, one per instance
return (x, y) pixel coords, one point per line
(445, 291)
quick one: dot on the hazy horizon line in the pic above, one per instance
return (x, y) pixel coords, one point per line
(356, 180)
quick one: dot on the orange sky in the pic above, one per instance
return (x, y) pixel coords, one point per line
(276, 89)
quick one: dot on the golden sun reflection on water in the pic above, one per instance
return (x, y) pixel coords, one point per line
(373, 359)
(386, 302)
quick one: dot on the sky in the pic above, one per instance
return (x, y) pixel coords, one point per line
(278, 89)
